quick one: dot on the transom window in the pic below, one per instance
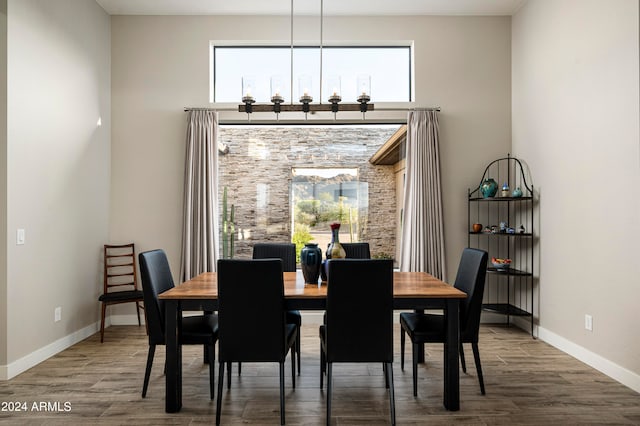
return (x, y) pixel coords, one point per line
(388, 67)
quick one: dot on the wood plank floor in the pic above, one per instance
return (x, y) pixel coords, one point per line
(528, 382)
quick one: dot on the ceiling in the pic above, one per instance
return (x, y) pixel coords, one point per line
(311, 7)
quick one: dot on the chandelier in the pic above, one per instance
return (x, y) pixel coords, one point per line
(305, 99)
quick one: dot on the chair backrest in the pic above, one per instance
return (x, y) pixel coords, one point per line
(284, 251)
(357, 250)
(359, 322)
(120, 268)
(251, 314)
(156, 278)
(470, 279)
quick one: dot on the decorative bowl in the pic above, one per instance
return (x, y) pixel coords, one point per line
(501, 263)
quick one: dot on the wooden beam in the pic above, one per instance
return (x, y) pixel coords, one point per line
(389, 152)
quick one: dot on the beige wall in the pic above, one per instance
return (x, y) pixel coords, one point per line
(575, 122)
(58, 167)
(161, 64)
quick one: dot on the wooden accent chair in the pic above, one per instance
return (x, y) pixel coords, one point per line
(120, 280)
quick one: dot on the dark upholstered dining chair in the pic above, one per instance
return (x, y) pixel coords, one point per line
(359, 319)
(430, 328)
(352, 251)
(251, 318)
(287, 253)
(196, 330)
(357, 250)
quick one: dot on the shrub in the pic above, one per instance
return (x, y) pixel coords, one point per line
(301, 236)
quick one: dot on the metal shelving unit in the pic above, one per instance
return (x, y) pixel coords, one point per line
(508, 291)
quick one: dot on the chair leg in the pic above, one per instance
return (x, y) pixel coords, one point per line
(104, 309)
(476, 357)
(146, 323)
(229, 374)
(386, 377)
(220, 381)
(212, 368)
(322, 366)
(392, 398)
(293, 367)
(462, 361)
(138, 312)
(239, 369)
(329, 390)
(298, 349)
(282, 391)
(414, 362)
(147, 371)
(402, 337)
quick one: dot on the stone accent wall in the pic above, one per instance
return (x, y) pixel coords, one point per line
(257, 172)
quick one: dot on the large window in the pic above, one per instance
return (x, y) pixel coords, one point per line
(389, 69)
(321, 196)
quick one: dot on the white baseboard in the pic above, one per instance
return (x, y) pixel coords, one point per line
(36, 357)
(603, 365)
(611, 369)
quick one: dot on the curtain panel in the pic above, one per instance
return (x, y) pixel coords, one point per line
(200, 212)
(422, 245)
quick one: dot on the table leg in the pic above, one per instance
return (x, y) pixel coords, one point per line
(173, 397)
(451, 354)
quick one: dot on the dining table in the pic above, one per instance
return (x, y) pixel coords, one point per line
(411, 291)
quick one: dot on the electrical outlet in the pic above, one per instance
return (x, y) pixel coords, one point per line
(588, 322)
(57, 314)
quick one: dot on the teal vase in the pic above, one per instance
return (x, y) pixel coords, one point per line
(489, 188)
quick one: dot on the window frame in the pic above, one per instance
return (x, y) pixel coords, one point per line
(400, 45)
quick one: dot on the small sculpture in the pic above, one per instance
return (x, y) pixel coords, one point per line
(517, 193)
(505, 189)
(521, 229)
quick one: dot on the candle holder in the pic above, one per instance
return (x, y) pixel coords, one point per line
(248, 100)
(364, 85)
(305, 100)
(334, 99)
(248, 83)
(305, 88)
(363, 99)
(277, 100)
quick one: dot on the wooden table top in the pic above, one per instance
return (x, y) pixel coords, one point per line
(405, 285)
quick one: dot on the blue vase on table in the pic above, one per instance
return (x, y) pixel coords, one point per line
(311, 261)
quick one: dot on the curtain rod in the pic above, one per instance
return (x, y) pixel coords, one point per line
(235, 109)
